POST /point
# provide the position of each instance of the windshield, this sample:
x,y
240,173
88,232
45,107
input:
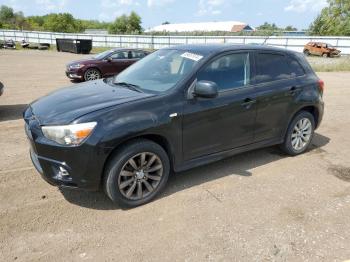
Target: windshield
x,y
102,55
159,71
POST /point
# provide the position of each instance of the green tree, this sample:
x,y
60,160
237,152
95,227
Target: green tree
x,y
6,14
126,24
63,22
333,19
290,28
119,25
268,27
7,17
36,22
134,23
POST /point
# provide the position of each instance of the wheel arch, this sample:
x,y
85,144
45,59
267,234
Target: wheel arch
x,y
92,67
313,110
158,139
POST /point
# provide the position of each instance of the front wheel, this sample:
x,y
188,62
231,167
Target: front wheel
x,y
136,173
92,74
325,55
299,134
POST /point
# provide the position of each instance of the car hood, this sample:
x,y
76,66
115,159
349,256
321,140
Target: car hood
x,y
83,61
67,104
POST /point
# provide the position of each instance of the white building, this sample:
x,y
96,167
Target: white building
x,y
228,26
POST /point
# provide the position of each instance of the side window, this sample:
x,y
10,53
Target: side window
x,y
230,71
137,54
272,67
296,68
120,55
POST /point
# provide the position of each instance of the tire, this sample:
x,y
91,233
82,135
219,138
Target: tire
x,y
289,146
120,177
325,55
92,74
306,52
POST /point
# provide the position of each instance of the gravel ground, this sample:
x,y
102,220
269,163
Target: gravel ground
x,y
257,206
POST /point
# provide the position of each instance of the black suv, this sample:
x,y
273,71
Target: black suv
x,y
177,108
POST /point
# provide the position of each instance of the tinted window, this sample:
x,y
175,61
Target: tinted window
x,y
137,54
295,67
230,71
120,55
273,67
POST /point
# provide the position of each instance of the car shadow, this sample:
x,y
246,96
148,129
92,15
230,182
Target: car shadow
x,y
11,112
238,165
76,81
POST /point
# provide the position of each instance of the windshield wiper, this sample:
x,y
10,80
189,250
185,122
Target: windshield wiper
x,y
129,85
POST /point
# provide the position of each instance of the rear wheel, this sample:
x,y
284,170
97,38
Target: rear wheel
x,y
137,173
92,74
299,134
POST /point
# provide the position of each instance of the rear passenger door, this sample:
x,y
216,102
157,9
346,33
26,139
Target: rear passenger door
x,y
277,84
137,55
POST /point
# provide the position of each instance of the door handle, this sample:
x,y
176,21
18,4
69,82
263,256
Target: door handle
x,y
248,102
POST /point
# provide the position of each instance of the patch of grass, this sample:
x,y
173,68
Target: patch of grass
x,y
96,49
337,64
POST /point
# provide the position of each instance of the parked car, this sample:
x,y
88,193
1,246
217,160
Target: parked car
x,y
39,46
321,49
105,64
1,89
8,44
176,109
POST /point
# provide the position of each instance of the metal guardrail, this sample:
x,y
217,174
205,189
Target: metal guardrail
x,y
155,42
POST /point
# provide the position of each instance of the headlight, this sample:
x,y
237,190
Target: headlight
x,y
76,66
70,134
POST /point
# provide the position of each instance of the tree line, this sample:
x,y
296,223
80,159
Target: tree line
x,y
66,23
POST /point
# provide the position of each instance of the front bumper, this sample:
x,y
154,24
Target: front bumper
x,y
63,166
74,74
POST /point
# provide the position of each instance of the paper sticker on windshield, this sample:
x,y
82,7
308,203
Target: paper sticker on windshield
x,y
192,56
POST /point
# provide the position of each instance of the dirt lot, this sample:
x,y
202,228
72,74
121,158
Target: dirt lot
x,y
257,206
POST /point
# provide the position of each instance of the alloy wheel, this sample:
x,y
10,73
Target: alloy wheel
x,y
140,176
92,75
301,134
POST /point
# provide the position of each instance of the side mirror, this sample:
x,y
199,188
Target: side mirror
x,y
109,59
205,89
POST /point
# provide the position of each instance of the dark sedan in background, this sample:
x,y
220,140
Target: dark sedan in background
x,y
105,64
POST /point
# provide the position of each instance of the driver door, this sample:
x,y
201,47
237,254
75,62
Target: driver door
x,y
117,62
212,125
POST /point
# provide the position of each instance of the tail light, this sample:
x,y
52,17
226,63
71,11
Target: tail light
x,y
321,85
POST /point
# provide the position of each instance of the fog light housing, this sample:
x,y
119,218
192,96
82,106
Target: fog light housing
x,y
62,174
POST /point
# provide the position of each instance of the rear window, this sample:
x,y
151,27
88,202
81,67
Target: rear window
x,y
272,67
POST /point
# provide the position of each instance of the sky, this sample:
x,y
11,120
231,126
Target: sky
x,y
299,13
